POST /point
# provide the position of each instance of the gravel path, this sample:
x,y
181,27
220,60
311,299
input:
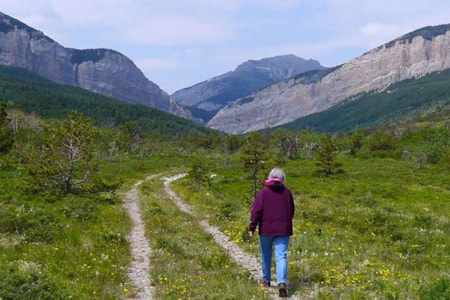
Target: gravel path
x,y
139,270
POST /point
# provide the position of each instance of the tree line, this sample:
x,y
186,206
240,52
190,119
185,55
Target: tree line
x,y
67,154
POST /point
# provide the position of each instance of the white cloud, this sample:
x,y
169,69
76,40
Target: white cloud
x,y
155,64
173,30
277,4
376,34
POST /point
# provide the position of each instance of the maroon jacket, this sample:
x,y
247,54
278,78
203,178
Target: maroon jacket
x,y
273,210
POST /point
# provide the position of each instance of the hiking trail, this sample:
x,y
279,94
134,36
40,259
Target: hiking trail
x,y
139,269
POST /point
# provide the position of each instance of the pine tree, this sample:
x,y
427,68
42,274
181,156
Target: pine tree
x,y
254,155
65,158
326,158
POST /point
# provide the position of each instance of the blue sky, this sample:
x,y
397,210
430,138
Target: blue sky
x,y
178,43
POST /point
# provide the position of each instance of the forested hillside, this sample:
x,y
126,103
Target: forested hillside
x,y
32,93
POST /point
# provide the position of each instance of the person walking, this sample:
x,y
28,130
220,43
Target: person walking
x,y
272,213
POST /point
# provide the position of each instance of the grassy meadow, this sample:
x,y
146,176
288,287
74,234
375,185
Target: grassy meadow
x,y
378,231
65,246
375,225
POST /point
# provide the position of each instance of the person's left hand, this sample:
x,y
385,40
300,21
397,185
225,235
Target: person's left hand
x,y
251,234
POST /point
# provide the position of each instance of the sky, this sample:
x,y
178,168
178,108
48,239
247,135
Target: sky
x,y
178,43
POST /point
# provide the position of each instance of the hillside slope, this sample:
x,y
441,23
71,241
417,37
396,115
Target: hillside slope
x,y
404,100
413,55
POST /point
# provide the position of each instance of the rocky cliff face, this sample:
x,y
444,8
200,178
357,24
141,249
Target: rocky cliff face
x,y
411,56
249,77
103,71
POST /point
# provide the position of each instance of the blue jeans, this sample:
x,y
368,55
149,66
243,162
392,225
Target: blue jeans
x,y
281,244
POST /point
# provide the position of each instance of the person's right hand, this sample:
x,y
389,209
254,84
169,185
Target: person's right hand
x,y
251,234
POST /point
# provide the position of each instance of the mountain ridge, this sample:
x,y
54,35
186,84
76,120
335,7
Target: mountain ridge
x,y
410,56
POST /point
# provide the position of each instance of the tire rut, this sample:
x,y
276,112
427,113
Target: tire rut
x,y
242,258
139,269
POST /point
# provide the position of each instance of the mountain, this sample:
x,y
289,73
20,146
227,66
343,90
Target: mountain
x,y
412,55
102,71
400,103
206,98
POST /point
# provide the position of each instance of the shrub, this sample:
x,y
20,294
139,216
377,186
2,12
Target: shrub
x,y
383,144
22,280
37,225
436,291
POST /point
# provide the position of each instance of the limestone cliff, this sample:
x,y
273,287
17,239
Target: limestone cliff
x,y
103,71
410,56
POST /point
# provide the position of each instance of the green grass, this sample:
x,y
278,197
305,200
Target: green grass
x,y
56,246
381,230
70,247
186,262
